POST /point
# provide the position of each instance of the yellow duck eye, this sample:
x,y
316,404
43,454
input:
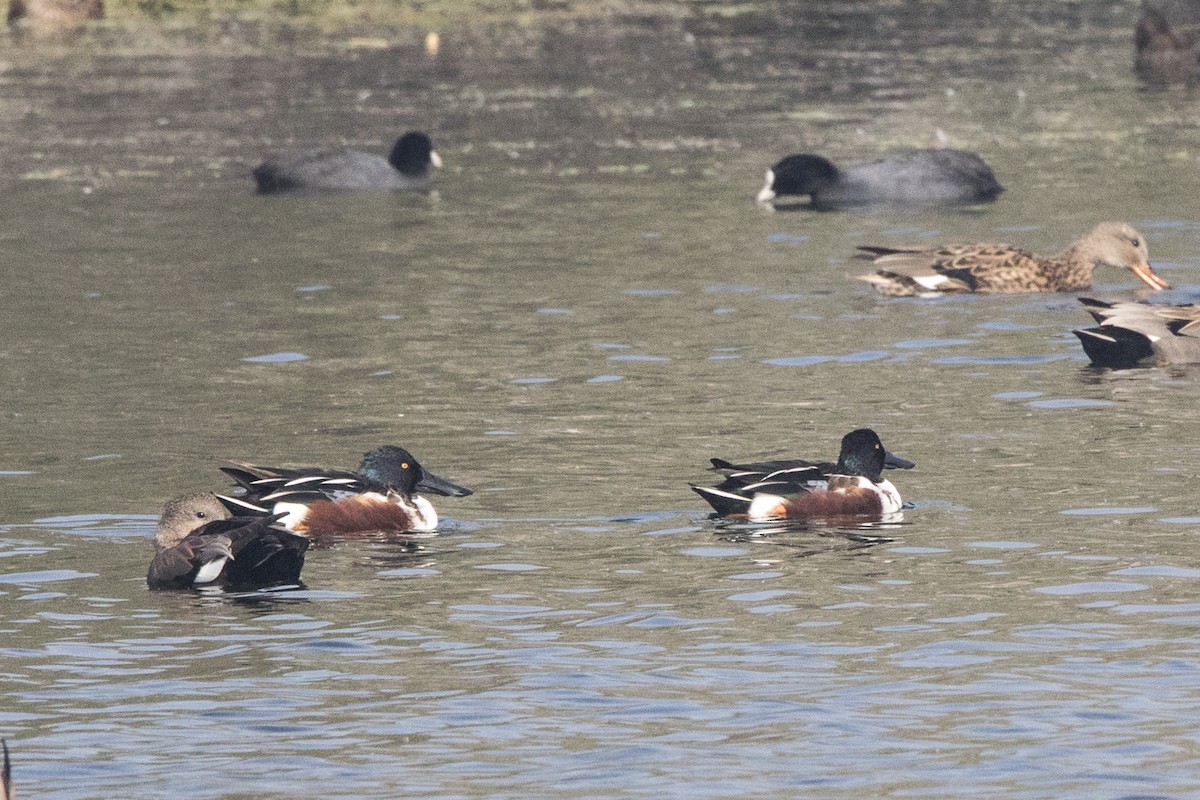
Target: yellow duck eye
x,y
404,465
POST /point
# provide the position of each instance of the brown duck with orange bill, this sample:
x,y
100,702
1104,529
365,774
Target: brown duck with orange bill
x,y
1001,268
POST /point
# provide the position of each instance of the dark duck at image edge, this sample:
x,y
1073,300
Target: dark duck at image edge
x,y
199,544
800,489
993,268
407,168
1138,334
929,177
381,497
1162,55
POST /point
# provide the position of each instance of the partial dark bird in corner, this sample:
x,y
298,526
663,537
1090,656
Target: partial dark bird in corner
x,y
54,13
199,544
937,177
1137,334
407,168
1162,55
985,267
6,792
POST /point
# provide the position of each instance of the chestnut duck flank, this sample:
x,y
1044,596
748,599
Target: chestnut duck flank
x,y
922,271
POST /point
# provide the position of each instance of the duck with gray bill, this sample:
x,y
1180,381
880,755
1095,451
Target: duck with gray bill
x,y
407,168
931,177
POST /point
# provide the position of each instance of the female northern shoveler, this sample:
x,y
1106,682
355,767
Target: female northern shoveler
x,y
998,268
380,497
1130,334
798,489
199,545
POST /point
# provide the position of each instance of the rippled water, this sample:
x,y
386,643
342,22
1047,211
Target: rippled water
x,y
590,308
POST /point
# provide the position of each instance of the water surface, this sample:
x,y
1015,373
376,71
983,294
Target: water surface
x,y
588,310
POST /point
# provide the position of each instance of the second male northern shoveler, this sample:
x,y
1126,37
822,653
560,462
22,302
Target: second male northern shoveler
x,y
797,489
380,497
199,544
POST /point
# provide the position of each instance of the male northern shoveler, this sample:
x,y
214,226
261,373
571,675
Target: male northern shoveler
x,y
1000,268
911,178
1130,334
798,489
380,497
199,544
